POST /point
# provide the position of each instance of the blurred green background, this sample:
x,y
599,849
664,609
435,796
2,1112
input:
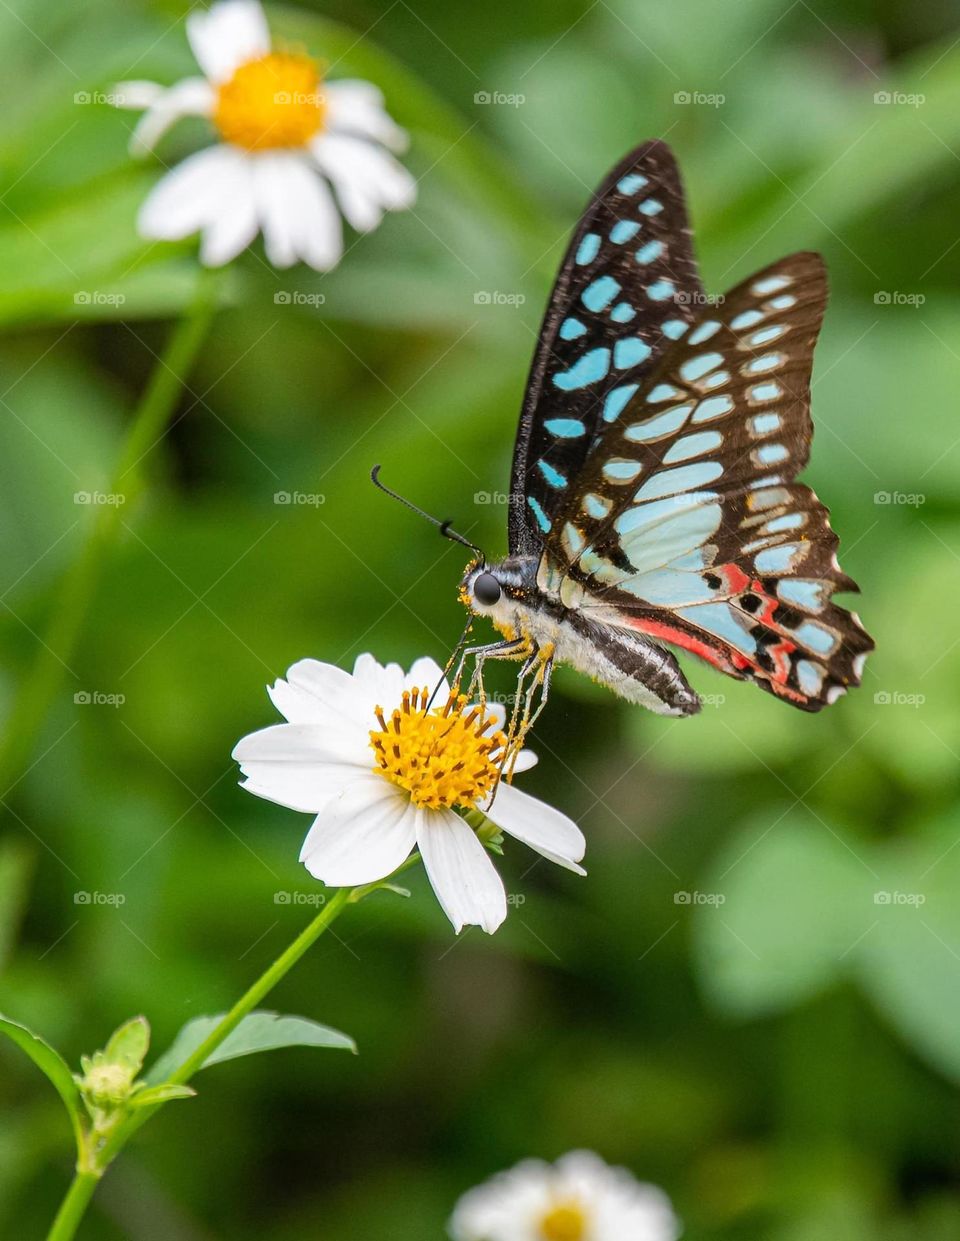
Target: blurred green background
x,y
754,999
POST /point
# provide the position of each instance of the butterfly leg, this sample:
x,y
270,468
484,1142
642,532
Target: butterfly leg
x,y
542,660
519,698
513,648
543,679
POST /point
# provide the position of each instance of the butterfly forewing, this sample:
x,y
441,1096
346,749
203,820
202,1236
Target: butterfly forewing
x,y
686,521
627,289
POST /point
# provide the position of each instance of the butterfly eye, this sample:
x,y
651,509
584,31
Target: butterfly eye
x,y
486,589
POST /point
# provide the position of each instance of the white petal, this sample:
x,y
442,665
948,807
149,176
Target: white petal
x,y
300,766
461,872
296,743
318,693
367,180
137,94
362,835
538,825
524,761
380,685
509,1206
228,34
356,107
191,195
234,227
427,672
297,214
191,97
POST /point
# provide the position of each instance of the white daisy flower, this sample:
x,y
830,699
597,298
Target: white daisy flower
x,y
579,1198
384,774
286,133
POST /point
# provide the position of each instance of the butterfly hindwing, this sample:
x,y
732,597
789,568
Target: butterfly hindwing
x,y
686,523
627,288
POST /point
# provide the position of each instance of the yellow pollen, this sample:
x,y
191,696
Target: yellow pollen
x,y
446,756
564,1222
275,101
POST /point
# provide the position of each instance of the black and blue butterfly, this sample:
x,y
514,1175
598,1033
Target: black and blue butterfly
x,y
653,499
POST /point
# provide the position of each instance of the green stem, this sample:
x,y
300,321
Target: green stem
x,y
264,984
73,1206
38,688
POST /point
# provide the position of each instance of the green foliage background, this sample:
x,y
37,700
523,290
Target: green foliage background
x,y
784,1059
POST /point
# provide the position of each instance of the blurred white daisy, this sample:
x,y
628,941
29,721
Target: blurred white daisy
x,y
385,773
579,1198
285,134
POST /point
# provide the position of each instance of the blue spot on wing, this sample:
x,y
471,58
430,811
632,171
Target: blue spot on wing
x,y
622,313
600,293
614,404
553,477
652,250
565,428
589,248
589,369
543,521
660,290
623,230
571,328
631,183
630,352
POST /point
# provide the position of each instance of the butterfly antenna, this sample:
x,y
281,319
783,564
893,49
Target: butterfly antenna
x,y
445,526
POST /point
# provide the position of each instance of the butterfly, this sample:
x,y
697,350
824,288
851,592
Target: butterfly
x,y
653,498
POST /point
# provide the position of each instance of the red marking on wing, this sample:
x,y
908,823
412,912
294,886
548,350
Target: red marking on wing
x,y
667,633
780,652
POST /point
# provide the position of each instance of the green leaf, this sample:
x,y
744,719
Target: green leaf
x,y
160,1094
51,1063
129,1044
260,1031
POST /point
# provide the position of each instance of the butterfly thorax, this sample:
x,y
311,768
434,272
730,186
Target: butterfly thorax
x,y
533,612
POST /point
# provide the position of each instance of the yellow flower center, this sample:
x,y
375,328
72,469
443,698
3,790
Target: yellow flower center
x,y
565,1222
275,101
445,756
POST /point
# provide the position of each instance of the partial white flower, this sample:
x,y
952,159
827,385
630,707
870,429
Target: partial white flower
x,y
579,1198
384,775
291,144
